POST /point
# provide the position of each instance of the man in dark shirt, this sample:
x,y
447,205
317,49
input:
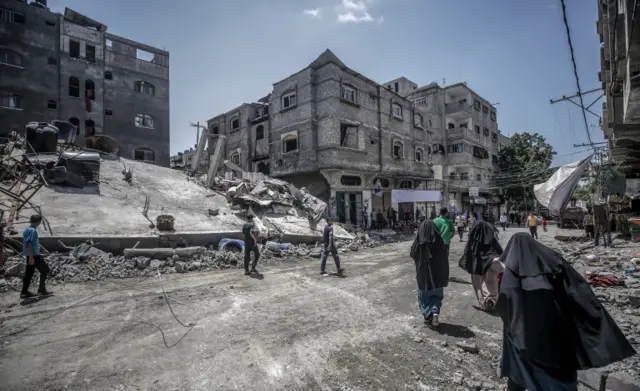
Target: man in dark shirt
x,y
250,245
329,246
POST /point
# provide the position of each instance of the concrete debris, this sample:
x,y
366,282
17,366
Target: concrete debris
x,y
468,347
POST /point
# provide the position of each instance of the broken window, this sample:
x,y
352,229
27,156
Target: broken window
x,y
464,176
494,137
263,167
477,104
350,180
89,128
235,123
485,109
52,61
89,90
52,104
145,88
417,119
349,93
235,158
396,109
144,154
493,116
9,57
108,112
477,129
419,155
75,122
74,49
10,100
108,75
74,87
395,86
214,129
290,144
260,132
348,135
90,53
144,121
397,150
144,55
50,23
11,16
288,100
486,131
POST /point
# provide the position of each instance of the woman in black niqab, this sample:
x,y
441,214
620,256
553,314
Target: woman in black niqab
x,y
432,270
553,324
480,259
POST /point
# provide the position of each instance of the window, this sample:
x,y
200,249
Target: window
x,y
52,104
477,104
260,132
75,122
290,144
349,93
395,86
493,116
478,177
406,184
417,120
145,155
420,102
235,123
90,53
74,87
74,49
348,135
419,155
9,57
109,43
398,150
235,158
50,23
145,88
350,180
108,112
485,109
144,121
455,148
52,61
485,131
464,176
477,129
288,100
494,137
11,16
372,97
89,128
10,100
89,90
214,129
396,109
108,75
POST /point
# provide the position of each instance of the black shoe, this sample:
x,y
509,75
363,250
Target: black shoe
x,y
45,293
253,270
247,272
324,273
26,295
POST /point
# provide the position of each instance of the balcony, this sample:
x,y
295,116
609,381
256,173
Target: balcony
x,y
459,109
456,133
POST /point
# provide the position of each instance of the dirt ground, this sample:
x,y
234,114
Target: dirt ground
x,y
291,330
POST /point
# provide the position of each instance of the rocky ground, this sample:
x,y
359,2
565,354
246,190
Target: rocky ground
x,y
291,330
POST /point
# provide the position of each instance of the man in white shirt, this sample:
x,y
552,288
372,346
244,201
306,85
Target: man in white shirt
x,y
459,222
503,221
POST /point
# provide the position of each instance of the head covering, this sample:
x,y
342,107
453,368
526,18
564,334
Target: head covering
x,y
429,255
542,298
482,247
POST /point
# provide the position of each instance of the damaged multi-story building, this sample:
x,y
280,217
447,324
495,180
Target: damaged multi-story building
x,y
620,78
68,67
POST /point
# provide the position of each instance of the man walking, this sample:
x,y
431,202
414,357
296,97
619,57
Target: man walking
x,y
532,223
460,225
503,221
329,246
250,245
31,250
445,226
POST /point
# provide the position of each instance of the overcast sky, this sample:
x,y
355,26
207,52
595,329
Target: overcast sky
x,y
512,52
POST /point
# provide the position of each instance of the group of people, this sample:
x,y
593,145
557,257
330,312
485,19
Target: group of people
x,y
537,294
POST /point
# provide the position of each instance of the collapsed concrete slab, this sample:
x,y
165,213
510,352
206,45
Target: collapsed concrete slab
x,y
112,212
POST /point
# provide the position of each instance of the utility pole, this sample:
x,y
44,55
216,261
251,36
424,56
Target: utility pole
x,y
197,126
445,161
587,108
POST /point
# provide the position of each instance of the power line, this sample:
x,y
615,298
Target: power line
x,y
575,69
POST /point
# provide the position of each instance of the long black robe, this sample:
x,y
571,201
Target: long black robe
x,y
553,323
482,247
429,254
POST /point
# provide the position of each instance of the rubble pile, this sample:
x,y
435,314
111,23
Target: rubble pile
x,y
87,263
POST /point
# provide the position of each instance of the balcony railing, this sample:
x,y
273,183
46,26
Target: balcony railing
x,y
456,133
460,107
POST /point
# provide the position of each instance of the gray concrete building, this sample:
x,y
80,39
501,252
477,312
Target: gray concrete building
x,y
335,132
67,67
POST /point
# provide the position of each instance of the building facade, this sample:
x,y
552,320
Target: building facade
x,y
342,136
67,67
619,75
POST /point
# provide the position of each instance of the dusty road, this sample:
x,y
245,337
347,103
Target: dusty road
x,y
293,330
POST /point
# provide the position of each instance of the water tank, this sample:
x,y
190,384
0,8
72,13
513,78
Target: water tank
x,y
42,137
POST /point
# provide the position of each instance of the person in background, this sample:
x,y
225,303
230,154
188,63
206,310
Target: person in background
x,y
391,217
544,224
380,221
445,227
503,221
459,222
250,245
553,323
372,219
432,270
31,250
532,223
589,227
329,246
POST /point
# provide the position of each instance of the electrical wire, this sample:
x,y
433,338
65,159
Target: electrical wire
x,y
575,70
